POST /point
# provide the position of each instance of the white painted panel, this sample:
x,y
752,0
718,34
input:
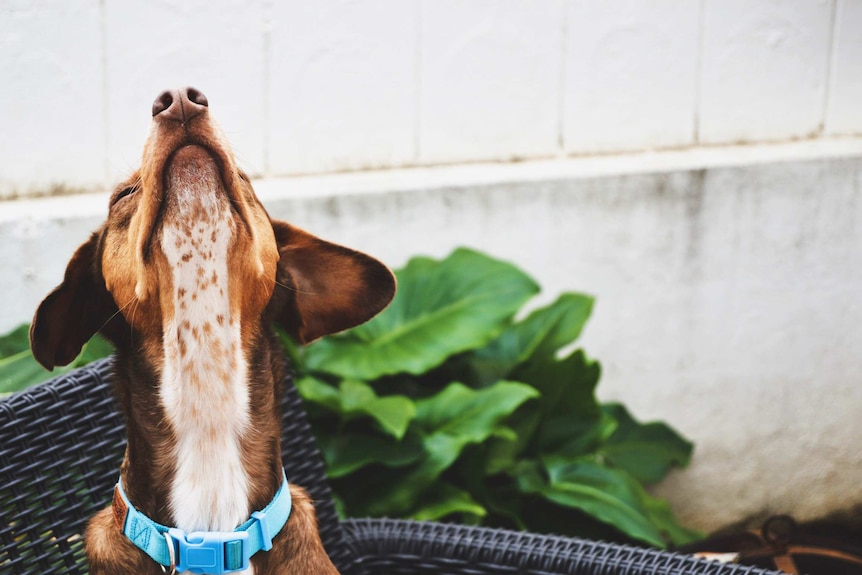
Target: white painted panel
x,y
631,74
51,105
153,46
490,79
764,69
358,84
844,114
343,85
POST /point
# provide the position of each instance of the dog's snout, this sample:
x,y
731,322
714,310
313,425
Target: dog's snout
x,y
181,105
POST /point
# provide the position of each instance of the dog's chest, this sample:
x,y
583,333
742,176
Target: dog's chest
x,y
204,390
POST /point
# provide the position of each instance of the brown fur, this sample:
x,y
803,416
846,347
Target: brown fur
x,y
119,283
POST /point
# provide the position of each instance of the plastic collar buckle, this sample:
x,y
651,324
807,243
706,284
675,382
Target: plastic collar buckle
x,y
211,552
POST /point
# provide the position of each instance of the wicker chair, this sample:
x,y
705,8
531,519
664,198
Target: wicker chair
x,y
60,447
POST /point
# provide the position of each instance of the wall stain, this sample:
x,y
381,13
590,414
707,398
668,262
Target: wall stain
x,y
694,199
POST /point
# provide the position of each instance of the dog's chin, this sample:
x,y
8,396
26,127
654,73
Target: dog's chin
x,y
193,167
193,186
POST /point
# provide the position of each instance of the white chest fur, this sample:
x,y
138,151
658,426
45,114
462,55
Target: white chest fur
x,y
204,391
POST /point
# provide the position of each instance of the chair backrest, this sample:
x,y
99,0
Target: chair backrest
x,y
61,444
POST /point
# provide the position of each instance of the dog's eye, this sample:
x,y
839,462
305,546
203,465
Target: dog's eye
x,y
124,193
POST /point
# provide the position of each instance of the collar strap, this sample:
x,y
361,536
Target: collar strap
x,y
211,552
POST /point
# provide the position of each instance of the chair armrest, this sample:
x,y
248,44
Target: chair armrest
x,y
407,547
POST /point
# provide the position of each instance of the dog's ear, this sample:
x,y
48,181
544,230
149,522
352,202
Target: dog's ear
x,y
71,314
325,288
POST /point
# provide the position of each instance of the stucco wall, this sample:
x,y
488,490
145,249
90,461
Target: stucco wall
x,y
727,284
727,276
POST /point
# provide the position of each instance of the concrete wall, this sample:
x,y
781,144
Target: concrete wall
x,y
727,283
310,87
726,275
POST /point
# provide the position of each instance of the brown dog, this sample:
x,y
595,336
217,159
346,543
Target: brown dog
x,y
185,278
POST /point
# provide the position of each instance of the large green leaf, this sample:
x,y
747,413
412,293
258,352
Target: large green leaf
x,y
355,398
15,341
662,517
393,413
347,453
609,495
444,499
96,348
318,391
459,416
468,414
442,308
450,420
647,451
395,495
538,337
19,369
569,419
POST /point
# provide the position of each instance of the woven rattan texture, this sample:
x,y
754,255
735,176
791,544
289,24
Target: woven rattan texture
x,y
60,448
61,444
408,547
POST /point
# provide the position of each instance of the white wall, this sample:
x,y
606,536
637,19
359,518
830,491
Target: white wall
x,y
727,284
310,87
727,277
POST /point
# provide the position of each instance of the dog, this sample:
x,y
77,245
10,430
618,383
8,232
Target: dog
x,y
186,278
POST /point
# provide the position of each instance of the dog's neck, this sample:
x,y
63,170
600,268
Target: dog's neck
x,y
204,389
215,434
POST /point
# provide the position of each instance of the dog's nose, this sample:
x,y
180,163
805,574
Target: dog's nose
x,y
181,105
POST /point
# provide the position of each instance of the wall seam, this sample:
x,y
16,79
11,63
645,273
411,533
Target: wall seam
x,y
828,84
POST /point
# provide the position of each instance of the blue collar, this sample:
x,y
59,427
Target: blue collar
x,y
210,552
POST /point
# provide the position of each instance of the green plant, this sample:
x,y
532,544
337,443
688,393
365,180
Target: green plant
x,y
445,406
19,369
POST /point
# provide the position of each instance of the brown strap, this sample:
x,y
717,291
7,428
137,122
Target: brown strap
x,y
119,508
785,563
824,552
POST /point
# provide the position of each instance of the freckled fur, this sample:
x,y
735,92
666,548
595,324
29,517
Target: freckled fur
x,y
203,497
